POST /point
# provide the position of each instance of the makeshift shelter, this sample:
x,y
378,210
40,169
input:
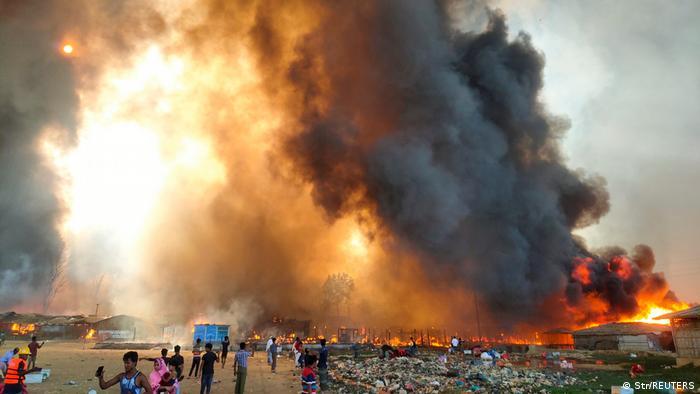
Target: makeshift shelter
x,y
65,327
126,328
560,338
685,326
627,337
21,325
210,333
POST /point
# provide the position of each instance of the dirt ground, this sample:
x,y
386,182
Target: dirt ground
x,y
73,366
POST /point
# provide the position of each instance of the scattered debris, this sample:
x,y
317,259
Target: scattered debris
x,y
431,374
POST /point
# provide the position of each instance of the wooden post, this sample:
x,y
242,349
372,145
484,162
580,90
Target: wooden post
x,y
478,322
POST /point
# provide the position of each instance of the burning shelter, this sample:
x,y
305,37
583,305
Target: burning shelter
x,y
624,337
288,328
67,327
685,326
21,325
560,338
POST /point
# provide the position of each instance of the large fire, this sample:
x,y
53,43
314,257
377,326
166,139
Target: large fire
x,y
637,295
23,329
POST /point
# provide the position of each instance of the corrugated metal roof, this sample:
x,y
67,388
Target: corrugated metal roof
x,y
690,313
624,329
559,330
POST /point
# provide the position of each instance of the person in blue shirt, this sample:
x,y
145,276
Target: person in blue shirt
x,y
240,368
131,381
6,359
323,366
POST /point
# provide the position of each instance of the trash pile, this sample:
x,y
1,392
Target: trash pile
x,y
433,375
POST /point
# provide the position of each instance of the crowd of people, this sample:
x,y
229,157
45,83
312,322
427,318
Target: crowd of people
x,y
169,369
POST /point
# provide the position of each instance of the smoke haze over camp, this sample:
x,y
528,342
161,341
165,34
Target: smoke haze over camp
x,y
233,155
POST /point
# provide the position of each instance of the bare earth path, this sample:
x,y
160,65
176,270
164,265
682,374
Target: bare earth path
x,y
76,362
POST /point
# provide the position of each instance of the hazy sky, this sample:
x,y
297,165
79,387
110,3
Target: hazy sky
x,y
627,75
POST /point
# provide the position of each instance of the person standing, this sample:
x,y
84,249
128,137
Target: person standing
x,y
323,365
196,357
454,345
272,354
308,377
131,381
413,348
208,360
224,351
267,350
298,352
34,347
178,362
240,368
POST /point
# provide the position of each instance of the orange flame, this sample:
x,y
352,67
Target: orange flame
x,y
23,329
90,334
581,273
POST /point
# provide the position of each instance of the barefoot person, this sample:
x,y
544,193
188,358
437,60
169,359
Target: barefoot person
x,y
34,347
224,350
131,381
16,369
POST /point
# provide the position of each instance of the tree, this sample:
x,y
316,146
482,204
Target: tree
x,y
337,290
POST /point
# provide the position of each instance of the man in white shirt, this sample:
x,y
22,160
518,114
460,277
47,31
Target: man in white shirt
x,y
455,344
267,350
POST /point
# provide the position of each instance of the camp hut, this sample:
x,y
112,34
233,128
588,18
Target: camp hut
x,y
559,338
685,327
64,327
20,325
626,337
126,328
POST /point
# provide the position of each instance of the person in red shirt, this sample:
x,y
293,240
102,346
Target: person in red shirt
x,y
308,375
299,352
34,347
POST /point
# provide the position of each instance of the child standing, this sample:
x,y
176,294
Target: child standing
x,y
308,376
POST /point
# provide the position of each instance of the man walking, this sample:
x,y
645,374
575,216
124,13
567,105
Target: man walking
x,y
208,360
224,351
240,368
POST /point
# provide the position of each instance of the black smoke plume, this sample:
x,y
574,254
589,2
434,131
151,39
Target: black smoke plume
x,y
36,92
442,134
